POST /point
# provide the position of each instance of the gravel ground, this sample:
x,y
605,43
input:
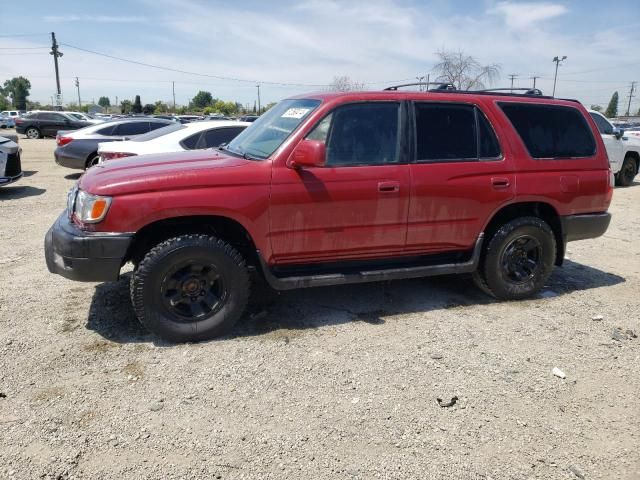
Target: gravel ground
x,y
321,383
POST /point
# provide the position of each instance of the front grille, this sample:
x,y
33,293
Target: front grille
x,y
13,165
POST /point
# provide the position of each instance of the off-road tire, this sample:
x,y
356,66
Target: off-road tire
x,y
491,275
627,173
149,281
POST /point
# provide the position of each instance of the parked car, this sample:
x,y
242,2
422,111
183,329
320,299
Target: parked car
x,y
79,149
188,118
623,151
47,124
338,188
10,166
174,138
7,122
10,113
85,117
248,118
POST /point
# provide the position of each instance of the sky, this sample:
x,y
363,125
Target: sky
x,y
293,47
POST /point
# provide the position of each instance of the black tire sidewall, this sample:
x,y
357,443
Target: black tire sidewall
x,y
157,318
623,180
493,275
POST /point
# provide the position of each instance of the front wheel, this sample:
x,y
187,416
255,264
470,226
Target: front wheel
x,y
627,173
32,133
190,288
517,260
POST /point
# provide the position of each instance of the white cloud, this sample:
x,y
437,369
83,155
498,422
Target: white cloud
x,y
525,15
92,19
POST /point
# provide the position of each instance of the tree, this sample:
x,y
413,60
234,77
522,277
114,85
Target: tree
x,y
148,109
201,100
18,89
160,107
345,84
125,106
104,102
463,71
612,108
137,106
597,108
4,103
269,105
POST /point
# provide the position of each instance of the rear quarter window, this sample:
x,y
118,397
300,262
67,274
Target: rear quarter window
x,y
551,131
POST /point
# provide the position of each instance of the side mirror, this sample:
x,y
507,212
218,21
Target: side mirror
x,y
308,153
618,132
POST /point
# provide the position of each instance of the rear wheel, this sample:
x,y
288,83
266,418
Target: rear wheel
x,y
627,173
32,133
190,288
517,260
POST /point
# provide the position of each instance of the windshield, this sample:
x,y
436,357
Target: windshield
x,y
172,127
269,131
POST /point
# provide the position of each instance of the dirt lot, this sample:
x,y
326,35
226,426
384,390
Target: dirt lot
x,y
321,383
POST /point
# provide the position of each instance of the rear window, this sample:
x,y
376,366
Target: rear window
x,y
132,128
551,131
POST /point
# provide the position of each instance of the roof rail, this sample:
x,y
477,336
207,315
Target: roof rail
x,y
440,86
527,91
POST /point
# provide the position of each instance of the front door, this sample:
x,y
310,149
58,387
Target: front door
x,y
459,177
613,144
354,207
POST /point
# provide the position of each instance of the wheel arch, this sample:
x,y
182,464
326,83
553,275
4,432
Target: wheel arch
x,y
543,210
225,228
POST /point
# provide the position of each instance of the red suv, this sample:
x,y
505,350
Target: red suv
x,y
340,188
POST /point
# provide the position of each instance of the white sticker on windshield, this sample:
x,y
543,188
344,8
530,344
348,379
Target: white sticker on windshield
x,y
295,113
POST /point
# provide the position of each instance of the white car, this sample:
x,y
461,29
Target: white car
x,y
174,138
10,113
623,151
10,167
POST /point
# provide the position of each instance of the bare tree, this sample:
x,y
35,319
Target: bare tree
x,y
464,71
345,84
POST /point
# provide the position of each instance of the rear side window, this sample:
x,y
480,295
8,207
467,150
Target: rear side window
x,y
217,136
190,142
452,132
156,125
132,128
551,131
106,130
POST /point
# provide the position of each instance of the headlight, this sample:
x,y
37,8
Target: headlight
x,y
91,208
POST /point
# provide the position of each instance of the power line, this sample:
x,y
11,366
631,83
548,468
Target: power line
x,y
22,48
186,72
23,34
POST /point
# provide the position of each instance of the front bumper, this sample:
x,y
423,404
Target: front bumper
x,y
8,180
581,227
84,256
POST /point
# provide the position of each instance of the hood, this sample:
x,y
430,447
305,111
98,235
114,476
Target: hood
x,y
167,171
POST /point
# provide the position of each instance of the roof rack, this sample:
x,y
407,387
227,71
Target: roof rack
x,y
440,86
450,88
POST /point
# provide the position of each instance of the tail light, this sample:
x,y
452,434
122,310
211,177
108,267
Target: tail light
x,y
19,121
114,155
62,141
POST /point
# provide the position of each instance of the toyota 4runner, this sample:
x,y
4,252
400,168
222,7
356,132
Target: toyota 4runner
x,y
338,188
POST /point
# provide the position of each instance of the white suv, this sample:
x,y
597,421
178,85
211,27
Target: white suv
x,y
623,151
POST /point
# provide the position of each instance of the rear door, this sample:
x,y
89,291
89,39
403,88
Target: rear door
x,y
613,145
51,122
461,173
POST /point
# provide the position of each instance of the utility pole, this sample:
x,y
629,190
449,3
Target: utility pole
x,y
512,76
173,88
78,87
56,54
258,86
558,61
633,87
534,81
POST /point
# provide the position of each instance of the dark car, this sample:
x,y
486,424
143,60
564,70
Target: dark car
x,y
79,149
47,124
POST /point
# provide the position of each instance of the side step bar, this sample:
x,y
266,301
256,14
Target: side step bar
x,y
290,283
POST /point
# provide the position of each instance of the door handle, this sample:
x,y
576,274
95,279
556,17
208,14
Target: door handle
x,y
388,187
500,182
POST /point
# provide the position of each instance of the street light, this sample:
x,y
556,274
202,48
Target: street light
x,y
558,61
